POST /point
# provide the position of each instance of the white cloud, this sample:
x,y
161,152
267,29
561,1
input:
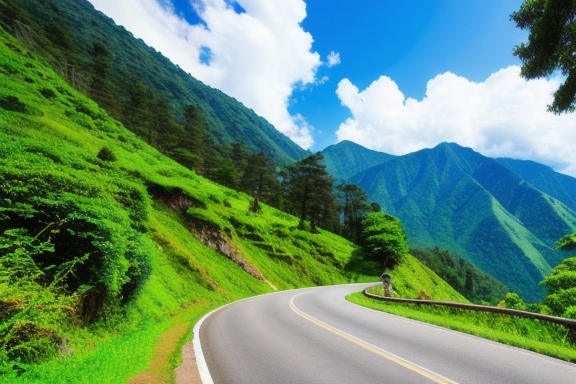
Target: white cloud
x,y
333,59
504,116
257,57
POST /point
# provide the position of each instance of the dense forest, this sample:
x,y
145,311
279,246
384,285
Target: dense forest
x,y
473,283
122,74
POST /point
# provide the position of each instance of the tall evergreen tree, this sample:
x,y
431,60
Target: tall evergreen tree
x,y
308,189
355,206
259,179
135,115
100,88
190,150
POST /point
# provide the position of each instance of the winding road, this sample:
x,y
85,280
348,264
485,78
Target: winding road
x,y
314,335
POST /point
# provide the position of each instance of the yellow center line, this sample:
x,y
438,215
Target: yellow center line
x,y
398,360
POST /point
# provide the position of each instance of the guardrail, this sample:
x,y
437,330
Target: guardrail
x,y
570,324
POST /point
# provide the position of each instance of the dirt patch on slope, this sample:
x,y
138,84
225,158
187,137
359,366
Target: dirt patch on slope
x,y
188,373
159,369
211,236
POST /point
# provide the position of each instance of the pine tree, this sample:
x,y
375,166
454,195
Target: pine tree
x,y
355,207
259,179
308,191
100,88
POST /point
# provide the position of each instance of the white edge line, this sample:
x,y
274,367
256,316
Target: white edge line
x,y
200,360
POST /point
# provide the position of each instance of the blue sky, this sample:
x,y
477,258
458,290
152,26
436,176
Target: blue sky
x,y
392,75
411,41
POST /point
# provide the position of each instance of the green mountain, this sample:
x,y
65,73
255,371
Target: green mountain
x,y
544,178
65,32
456,199
345,159
106,245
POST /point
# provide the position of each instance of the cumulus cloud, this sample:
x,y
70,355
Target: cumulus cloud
x,y
504,116
333,59
257,56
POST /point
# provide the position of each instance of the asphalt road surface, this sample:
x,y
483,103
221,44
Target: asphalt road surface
x,y
315,336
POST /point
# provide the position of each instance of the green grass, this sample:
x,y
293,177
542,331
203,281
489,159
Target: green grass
x,y
413,280
534,335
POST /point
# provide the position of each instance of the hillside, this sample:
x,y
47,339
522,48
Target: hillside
x,y
345,159
66,31
106,243
544,178
459,200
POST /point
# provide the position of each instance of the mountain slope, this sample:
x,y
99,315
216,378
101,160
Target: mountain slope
x,y
544,178
106,243
457,199
346,159
65,31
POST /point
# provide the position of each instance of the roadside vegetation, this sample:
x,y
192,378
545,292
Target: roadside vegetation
x,y
538,336
535,335
465,277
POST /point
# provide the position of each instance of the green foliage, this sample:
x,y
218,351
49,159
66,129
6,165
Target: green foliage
x,y
345,159
513,301
260,180
11,103
136,239
550,46
538,336
383,239
466,278
34,301
567,242
413,280
308,193
561,288
140,241
354,208
106,154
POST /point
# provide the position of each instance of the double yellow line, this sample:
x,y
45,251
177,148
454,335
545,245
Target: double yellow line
x,y
398,360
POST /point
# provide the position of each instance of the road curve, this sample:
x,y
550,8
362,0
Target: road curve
x,y
314,335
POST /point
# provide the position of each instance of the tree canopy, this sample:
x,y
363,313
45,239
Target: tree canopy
x,y
551,46
561,288
384,239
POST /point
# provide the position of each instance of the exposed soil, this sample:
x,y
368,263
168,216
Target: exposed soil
x,y
188,373
159,370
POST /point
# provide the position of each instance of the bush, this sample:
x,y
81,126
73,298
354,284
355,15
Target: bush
x,y
106,154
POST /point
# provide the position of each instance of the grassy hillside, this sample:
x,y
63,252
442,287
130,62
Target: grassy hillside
x,y
65,32
465,277
105,244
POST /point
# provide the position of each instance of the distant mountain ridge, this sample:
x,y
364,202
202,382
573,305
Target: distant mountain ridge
x,y
479,208
557,185
345,159
65,31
